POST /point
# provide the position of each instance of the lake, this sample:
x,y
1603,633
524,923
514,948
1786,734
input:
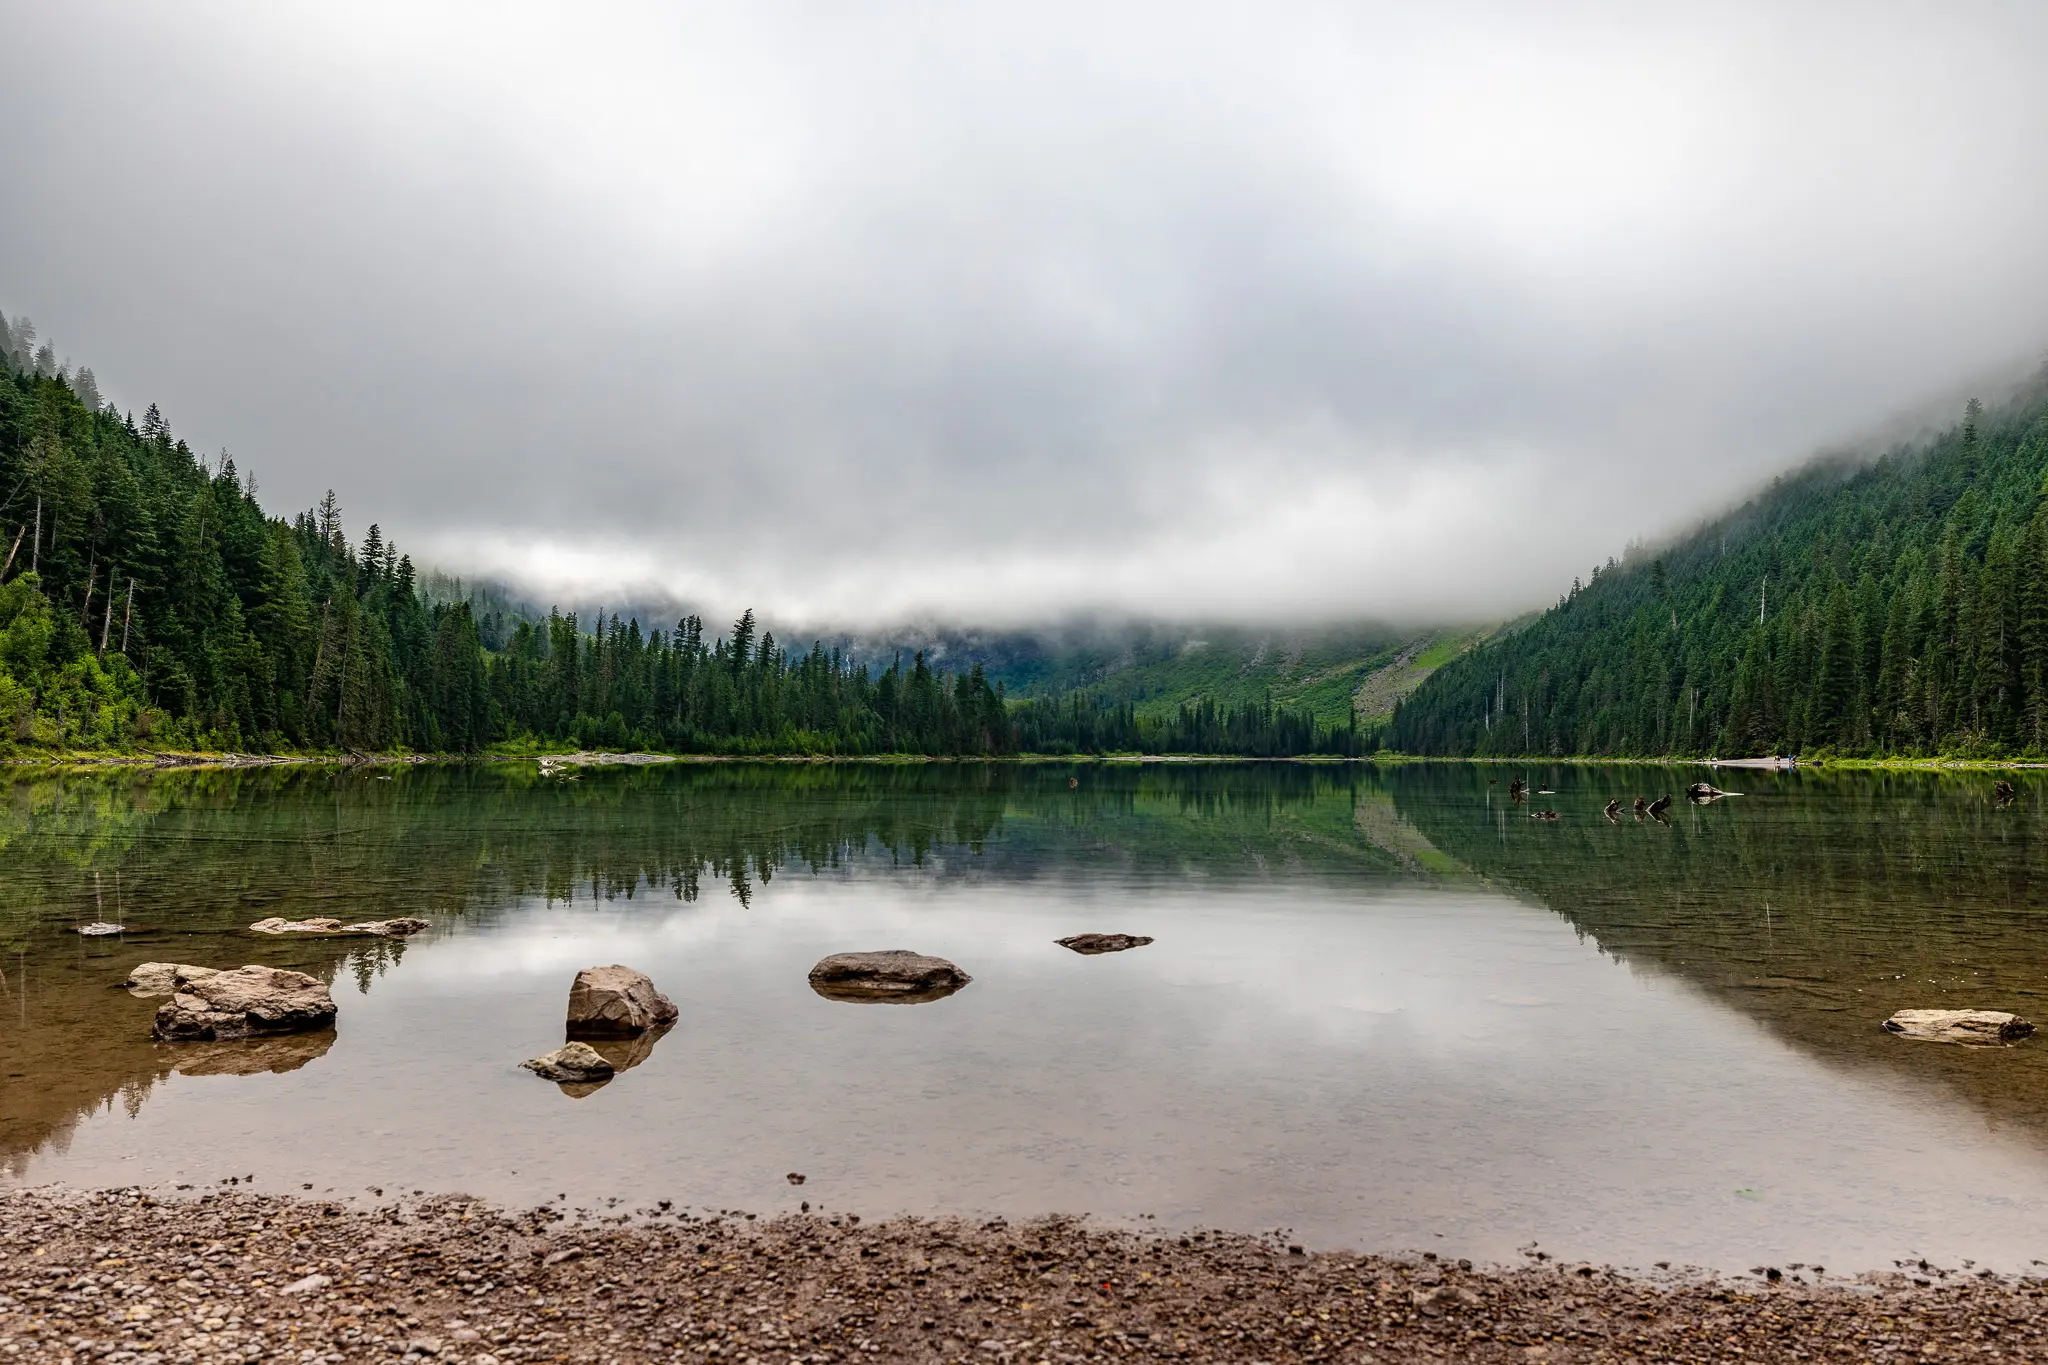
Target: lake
x,y
1385,1009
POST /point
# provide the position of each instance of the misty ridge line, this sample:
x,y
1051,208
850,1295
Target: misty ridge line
x,y
1092,688
239,630
1856,609
1016,329
1908,429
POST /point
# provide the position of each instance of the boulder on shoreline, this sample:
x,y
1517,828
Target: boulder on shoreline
x,y
248,1001
1979,1027
401,927
571,1063
1103,943
895,975
616,1002
162,978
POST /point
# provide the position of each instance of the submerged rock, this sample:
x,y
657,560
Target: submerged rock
x,y
1103,943
616,1002
382,928
247,1001
896,975
1980,1027
277,925
571,1062
162,978
403,927
100,928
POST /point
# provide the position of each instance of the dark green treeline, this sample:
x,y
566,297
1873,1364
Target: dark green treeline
x,y
1089,722
148,600
1894,608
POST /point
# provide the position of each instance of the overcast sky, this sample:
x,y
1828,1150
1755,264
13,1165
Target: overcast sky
x,y
996,311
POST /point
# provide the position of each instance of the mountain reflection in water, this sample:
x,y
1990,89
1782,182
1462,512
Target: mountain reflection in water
x,y
1371,1011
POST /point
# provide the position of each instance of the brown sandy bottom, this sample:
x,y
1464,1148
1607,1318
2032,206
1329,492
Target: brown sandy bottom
x,y
131,1278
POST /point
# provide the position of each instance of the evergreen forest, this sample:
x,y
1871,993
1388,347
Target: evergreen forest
x,y
147,601
1895,607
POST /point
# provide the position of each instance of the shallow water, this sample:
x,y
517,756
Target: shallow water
x,y
1385,1009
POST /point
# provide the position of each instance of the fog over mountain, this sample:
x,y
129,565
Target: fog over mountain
x,y
999,312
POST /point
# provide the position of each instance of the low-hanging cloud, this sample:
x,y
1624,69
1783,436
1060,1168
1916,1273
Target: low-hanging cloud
x,y
999,312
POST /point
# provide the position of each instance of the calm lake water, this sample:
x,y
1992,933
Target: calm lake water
x,y
1385,1008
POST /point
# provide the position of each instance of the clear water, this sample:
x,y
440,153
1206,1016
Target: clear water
x,y
1385,1008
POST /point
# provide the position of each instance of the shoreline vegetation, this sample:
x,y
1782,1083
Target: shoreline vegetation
x,y
137,1275
159,759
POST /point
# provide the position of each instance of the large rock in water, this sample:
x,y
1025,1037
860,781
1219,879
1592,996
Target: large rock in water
x,y
245,1002
895,975
1959,1026
615,1002
1103,943
162,978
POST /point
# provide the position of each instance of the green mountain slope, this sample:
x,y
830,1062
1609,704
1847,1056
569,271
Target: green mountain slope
x,y
1894,607
1317,671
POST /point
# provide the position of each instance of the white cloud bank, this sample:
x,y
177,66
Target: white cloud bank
x,y
1002,311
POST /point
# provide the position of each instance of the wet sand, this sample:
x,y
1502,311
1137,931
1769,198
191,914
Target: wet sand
x,y
132,1277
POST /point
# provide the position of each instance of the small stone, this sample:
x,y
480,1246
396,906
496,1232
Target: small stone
x,y
380,928
895,974
1103,943
795,1177
571,1062
307,1285
403,927
1959,1026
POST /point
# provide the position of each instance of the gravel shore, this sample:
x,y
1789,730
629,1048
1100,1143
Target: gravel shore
x,y
130,1277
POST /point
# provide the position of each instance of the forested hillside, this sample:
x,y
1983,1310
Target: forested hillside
x,y
1896,607
1157,668
147,600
